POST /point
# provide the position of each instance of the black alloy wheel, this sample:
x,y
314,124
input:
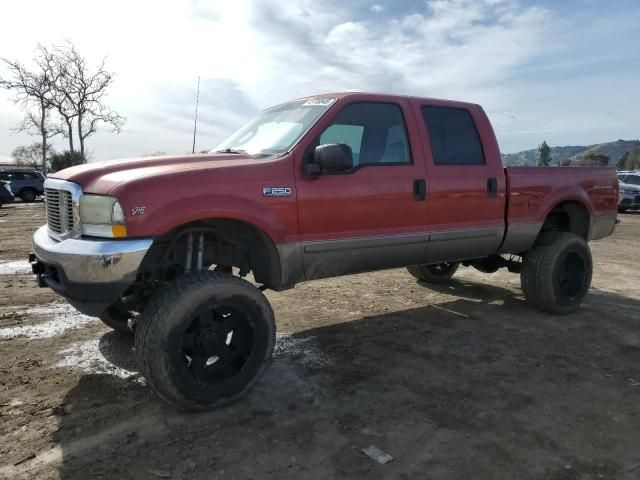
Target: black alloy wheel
x,y
217,344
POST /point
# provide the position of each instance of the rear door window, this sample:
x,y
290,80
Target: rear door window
x,y
453,136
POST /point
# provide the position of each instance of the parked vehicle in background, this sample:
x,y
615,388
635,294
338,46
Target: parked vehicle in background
x,y
313,188
6,196
26,184
629,191
630,177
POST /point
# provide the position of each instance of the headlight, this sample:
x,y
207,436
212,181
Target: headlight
x,y
102,216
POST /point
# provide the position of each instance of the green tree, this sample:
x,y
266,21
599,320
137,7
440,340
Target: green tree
x,y
593,159
544,159
622,163
633,157
66,159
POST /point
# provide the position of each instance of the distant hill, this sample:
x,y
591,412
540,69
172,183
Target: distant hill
x,y
614,150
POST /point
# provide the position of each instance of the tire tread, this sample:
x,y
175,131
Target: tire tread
x,y
146,339
537,271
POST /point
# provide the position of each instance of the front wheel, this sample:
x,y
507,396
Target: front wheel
x,y
28,195
556,272
204,340
437,273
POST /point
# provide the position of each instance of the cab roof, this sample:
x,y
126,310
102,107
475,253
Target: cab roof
x,y
378,97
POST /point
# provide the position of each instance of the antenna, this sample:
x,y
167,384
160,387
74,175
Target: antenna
x,y
195,121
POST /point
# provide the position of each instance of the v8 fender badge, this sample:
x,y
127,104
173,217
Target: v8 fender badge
x,y
277,191
138,211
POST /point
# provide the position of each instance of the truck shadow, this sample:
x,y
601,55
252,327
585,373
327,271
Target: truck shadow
x,y
470,388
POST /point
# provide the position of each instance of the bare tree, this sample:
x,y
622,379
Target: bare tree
x,y
61,98
34,92
30,155
62,83
81,93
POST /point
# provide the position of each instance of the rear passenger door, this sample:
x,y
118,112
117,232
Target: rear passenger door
x,y
466,183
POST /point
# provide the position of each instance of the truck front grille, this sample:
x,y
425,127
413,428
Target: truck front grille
x,y
59,206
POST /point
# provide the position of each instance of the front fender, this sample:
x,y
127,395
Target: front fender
x,y
166,215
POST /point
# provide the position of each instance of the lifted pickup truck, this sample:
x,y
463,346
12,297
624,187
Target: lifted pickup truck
x,y
317,187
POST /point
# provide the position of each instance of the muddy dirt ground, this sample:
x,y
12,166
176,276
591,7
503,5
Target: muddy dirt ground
x,y
464,381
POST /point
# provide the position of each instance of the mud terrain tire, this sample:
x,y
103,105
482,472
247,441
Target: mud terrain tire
x,y
556,272
204,340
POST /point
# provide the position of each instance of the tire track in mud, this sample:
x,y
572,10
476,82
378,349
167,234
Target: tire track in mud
x,y
283,382
51,320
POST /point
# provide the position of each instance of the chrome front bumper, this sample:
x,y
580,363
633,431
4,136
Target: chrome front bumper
x,y
91,274
91,261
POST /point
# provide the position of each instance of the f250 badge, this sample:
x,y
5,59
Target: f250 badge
x,y
277,191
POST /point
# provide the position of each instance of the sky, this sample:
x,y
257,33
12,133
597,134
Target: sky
x,y
567,72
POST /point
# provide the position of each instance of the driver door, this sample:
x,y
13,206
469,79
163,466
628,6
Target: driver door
x,y
374,215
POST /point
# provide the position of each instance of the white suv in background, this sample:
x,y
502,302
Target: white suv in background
x,y
629,194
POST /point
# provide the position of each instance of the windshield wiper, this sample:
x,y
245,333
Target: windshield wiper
x,y
231,150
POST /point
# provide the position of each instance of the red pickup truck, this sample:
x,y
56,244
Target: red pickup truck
x,y
316,187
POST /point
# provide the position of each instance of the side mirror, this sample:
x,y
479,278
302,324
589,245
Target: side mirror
x,y
332,157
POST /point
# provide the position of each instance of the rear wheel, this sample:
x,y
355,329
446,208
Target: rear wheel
x,y
28,195
437,273
556,272
204,340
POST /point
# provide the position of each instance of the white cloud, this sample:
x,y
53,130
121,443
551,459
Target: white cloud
x,y
254,53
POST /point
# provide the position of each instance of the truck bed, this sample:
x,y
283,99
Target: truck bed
x,y
532,192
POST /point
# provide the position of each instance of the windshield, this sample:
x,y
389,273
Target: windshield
x,y
277,129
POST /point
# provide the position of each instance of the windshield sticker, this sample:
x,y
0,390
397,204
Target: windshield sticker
x,y
319,102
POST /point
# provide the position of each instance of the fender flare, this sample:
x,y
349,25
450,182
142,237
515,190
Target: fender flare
x,y
173,214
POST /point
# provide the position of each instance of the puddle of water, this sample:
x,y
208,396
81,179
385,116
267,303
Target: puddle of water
x,y
59,318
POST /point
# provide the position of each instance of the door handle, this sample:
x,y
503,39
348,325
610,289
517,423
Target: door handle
x,y
492,187
419,189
